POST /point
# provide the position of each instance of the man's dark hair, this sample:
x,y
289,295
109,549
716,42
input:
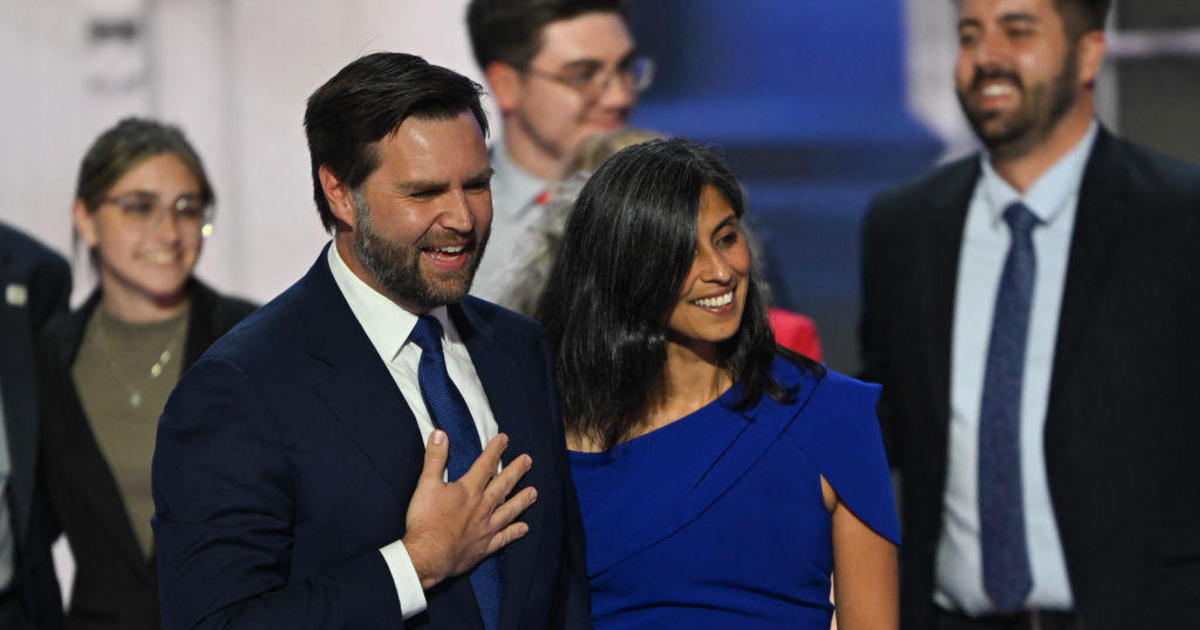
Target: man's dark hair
x,y
125,145
368,100
510,31
1082,16
1078,16
627,247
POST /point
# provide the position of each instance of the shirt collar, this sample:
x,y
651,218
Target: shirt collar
x,y
387,324
524,185
1051,193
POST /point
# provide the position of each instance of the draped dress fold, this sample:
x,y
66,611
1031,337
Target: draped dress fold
x,y
717,519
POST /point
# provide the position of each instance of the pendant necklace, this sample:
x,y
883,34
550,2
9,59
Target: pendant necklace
x,y
160,364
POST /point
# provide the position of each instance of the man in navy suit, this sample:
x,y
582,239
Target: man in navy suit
x,y
1031,312
34,285
332,462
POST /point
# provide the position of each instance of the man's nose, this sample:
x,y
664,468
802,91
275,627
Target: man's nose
x,y
456,213
990,51
618,92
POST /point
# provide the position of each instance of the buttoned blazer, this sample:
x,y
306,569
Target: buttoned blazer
x,y
1122,430
35,284
287,456
115,585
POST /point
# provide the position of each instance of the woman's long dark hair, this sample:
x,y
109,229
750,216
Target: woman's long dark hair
x,y
627,247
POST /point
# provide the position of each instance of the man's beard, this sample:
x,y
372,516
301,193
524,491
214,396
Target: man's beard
x,y
1041,107
397,267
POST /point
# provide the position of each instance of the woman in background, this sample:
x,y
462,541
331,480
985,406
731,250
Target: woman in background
x,y
722,478
143,206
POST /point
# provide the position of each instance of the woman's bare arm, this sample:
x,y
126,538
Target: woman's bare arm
x,y
865,583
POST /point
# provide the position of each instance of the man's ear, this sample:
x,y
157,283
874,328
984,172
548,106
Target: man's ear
x,y
1089,56
338,195
85,224
505,82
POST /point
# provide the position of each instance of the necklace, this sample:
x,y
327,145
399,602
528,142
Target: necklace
x,y
143,378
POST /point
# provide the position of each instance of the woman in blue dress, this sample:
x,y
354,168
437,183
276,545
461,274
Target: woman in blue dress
x,y
722,479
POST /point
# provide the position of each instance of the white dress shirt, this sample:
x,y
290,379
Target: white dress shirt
x,y
1053,198
388,326
514,210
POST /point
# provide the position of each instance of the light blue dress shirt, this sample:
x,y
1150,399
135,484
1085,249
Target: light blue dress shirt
x,y
514,210
1053,198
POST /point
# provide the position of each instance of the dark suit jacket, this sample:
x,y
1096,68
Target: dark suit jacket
x,y
43,279
1122,431
287,457
115,585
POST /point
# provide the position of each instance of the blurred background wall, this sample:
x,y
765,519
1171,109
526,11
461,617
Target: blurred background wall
x,y
817,104
234,74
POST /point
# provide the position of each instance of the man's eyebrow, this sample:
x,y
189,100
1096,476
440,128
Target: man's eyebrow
x,y
429,185
481,176
582,64
1018,16
592,62
420,185
969,22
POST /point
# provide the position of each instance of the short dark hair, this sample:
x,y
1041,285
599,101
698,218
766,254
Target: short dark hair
x,y
125,145
1082,16
628,245
510,31
368,100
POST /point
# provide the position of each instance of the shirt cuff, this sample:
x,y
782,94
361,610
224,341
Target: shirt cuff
x,y
404,574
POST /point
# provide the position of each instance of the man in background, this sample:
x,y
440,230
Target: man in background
x,y
1032,314
35,284
559,71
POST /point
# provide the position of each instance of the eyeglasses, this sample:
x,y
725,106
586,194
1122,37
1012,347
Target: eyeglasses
x,y
591,82
145,211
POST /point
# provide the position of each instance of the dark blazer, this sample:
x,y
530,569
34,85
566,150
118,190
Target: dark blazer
x,y
287,457
115,585
1122,431
35,284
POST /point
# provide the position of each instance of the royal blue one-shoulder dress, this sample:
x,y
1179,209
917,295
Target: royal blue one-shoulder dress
x,y
717,521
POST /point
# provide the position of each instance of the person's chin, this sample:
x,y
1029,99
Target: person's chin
x,y
168,295
449,288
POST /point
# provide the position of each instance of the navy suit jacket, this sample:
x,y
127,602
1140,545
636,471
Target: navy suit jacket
x,y
35,283
286,457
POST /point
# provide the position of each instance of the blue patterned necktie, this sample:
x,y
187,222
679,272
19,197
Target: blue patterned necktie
x,y
449,413
1006,574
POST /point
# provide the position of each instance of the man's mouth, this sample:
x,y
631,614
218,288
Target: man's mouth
x,y
996,83
446,253
991,90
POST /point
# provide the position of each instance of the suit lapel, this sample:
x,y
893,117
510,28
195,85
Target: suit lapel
x,y
1102,210
356,386
501,380
939,242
